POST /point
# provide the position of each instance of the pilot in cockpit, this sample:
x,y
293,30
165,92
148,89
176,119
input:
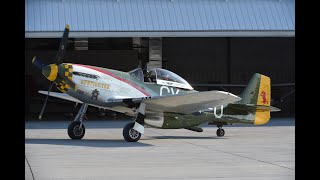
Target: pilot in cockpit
x,y
147,77
167,77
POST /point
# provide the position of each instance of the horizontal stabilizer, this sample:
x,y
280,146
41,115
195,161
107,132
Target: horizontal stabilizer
x,y
253,107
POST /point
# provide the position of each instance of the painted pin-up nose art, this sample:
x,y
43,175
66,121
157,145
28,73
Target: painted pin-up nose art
x,y
95,93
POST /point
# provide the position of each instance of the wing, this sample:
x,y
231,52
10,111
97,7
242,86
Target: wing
x,y
184,104
192,102
61,96
116,107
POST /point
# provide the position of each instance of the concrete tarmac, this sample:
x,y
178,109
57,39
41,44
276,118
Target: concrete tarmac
x,y
245,152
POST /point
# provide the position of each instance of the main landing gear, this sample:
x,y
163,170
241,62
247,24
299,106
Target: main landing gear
x,y
132,131
76,129
130,134
220,131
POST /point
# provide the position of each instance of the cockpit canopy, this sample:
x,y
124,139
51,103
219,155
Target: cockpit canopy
x,y
137,73
161,77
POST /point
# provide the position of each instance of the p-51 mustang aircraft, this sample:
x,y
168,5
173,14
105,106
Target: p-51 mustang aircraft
x,y
158,98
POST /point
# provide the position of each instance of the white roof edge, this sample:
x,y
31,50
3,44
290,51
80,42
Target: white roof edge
x,y
100,34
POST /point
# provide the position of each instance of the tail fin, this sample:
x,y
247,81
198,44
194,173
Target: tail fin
x,y
258,92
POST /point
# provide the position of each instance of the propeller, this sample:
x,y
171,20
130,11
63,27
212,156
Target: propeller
x,y
45,102
61,51
37,62
51,71
63,45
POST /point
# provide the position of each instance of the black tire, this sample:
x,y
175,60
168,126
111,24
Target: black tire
x,y
74,132
220,132
130,134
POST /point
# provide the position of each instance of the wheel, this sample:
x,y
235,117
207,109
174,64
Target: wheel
x,y
74,131
130,134
220,132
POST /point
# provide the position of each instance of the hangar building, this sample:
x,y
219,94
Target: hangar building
x,y
207,42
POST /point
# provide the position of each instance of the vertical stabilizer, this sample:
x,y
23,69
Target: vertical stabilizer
x,y
258,92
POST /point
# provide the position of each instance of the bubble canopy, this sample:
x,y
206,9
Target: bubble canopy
x,y
168,78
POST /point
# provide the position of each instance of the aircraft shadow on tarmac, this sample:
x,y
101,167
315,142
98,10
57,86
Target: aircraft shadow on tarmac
x,y
121,123
65,124
106,143
186,137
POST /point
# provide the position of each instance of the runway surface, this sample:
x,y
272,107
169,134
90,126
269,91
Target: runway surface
x,y
245,152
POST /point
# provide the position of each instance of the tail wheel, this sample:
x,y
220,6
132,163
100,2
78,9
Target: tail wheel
x,y
130,134
220,132
75,131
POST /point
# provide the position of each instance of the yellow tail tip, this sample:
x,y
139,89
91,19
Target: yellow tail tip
x,y
261,119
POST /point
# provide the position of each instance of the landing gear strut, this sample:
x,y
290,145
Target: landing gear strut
x,y
76,129
132,131
220,131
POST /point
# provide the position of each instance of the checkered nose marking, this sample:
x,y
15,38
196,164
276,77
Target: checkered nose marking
x,y
67,71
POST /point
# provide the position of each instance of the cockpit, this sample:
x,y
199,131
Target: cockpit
x,y
161,77
137,73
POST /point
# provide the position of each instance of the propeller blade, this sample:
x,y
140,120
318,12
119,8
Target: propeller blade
x,y
62,46
45,102
37,62
70,83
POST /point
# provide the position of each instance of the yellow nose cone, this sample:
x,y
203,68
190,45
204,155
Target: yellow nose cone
x,y
50,72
